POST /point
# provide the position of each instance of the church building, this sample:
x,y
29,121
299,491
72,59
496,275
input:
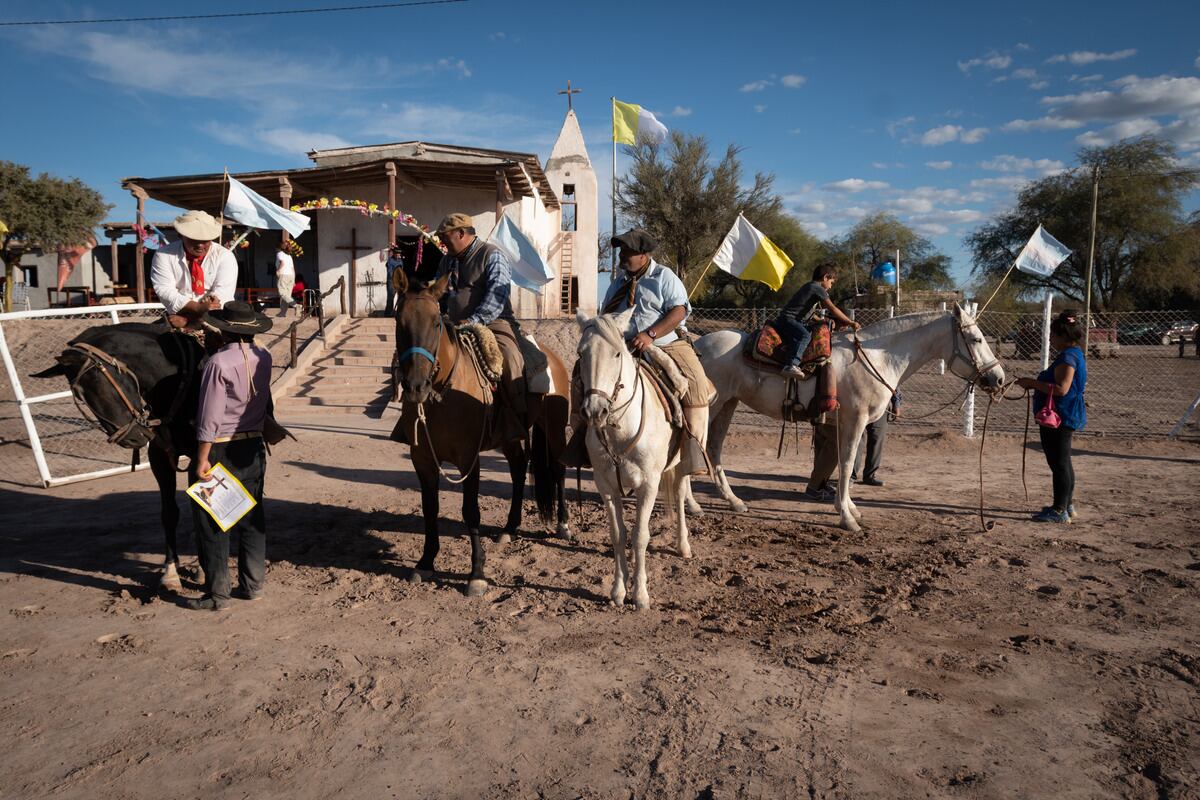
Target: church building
x,y
352,191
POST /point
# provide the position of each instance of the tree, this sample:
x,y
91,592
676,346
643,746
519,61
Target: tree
x,y
42,213
876,238
687,203
1142,239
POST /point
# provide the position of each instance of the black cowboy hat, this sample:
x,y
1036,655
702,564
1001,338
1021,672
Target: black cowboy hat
x,y
238,317
636,240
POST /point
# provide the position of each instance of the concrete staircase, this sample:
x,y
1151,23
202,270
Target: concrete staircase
x,y
352,376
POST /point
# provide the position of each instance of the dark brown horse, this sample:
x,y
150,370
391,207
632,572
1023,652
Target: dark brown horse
x,y
141,382
449,416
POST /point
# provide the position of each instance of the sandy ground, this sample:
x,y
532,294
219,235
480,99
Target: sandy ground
x,y
788,658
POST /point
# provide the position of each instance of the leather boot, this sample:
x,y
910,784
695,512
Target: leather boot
x,y
575,454
692,459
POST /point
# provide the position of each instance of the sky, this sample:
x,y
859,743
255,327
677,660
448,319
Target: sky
x,y
934,112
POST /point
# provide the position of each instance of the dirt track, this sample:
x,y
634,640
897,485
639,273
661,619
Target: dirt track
x,y
786,659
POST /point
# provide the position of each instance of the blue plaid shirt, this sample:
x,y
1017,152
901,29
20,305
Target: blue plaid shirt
x,y
497,272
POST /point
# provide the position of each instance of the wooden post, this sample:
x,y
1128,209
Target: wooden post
x,y
292,336
113,250
139,251
503,193
390,170
342,298
285,199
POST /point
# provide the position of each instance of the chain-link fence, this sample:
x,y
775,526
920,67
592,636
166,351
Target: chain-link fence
x,y
1138,382
70,445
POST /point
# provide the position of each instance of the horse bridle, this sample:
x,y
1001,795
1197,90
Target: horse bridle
x,y
968,357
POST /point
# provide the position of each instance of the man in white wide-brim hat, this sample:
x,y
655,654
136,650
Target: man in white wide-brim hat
x,y
195,274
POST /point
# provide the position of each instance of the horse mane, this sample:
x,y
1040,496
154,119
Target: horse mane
x,y
606,326
905,322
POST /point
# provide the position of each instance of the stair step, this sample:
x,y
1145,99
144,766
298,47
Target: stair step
x,y
327,395
363,361
303,403
367,352
349,380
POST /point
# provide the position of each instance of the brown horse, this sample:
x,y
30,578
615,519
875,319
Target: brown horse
x,y
449,411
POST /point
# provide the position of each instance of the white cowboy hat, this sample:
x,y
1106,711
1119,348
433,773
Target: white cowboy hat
x,y
198,225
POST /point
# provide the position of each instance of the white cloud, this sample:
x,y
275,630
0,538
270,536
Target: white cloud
x,y
457,65
930,229
793,81
940,135
1023,46
1043,124
992,60
680,111
944,134
498,35
1125,129
911,205
973,136
1039,85
1136,97
810,207
1185,132
755,86
1006,163
287,141
879,165
1089,57
758,109
1086,78
898,125
854,185
1024,74
1002,182
479,125
939,164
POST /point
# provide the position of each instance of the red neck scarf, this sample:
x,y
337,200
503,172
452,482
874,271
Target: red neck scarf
x,y
197,274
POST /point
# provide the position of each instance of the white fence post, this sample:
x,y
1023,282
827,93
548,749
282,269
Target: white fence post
x,y
941,361
1046,312
891,312
969,407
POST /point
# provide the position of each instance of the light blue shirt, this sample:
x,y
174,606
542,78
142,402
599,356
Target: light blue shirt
x,y
658,291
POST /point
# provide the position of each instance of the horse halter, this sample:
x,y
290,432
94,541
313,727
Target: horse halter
x,y
416,350
140,419
978,370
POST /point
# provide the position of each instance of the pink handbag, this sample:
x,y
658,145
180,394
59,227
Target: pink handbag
x,y
1047,417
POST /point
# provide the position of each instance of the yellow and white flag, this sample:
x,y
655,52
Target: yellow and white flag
x,y
748,255
633,124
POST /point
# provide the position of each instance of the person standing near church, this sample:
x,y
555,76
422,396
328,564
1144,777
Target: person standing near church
x,y
195,274
234,404
285,276
395,261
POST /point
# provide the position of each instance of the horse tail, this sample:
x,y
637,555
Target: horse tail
x,y
548,474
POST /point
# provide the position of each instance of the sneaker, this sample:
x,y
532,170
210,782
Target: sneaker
x,y
242,593
824,495
793,371
1070,510
872,481
1053,515
206,603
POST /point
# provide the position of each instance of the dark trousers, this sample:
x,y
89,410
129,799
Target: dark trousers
x,y
825,456
246,459
872,447
797,336
1056,444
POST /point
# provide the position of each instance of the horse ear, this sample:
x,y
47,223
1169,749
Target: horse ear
x,y
54,371
399,281
581,318
438,288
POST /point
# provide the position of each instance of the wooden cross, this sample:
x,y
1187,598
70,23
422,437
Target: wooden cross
x,y
568,92
353,247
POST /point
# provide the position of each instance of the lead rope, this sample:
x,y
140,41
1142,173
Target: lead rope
x,y
985,525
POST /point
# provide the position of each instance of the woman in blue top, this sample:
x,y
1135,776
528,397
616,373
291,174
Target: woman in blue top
x,y
1066,378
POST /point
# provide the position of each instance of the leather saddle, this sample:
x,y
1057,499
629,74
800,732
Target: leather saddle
x,y
766,347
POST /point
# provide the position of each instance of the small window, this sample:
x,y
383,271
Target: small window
x,y
568,193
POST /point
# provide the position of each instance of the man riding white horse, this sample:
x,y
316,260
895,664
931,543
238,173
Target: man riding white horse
x,y
660,306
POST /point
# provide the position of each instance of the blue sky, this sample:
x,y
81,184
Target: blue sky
x,y
936,112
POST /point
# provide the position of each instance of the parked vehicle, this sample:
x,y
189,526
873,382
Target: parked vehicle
x,y
1185,330
1139,333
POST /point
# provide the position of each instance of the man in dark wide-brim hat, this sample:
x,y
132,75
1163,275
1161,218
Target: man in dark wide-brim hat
x,y
235,403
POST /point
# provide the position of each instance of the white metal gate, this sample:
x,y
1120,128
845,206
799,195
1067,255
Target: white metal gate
x,y
65,447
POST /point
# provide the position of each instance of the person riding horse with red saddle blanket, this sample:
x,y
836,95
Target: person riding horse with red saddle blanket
x,y
792,322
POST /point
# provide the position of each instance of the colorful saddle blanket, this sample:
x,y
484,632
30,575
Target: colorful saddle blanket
x,y
766,346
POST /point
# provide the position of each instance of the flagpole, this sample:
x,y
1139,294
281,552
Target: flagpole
x,y
612,254
1087,325
1000,284
224,196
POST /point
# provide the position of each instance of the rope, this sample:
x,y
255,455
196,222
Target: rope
x,y
229,15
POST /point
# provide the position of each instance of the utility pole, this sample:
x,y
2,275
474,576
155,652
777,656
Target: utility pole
x,y
1087,329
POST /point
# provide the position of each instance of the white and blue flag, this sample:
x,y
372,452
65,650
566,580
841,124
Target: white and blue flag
x,y
529,270
1042,254
247,207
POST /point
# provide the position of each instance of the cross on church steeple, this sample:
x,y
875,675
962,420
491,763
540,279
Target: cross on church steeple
x,y
568,92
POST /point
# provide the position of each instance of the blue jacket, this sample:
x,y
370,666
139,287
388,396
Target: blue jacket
x,y
1070,406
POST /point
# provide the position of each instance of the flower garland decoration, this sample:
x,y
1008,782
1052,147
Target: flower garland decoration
x,y
293,248
370,210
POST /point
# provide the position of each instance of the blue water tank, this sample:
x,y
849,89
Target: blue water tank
x,y
885,273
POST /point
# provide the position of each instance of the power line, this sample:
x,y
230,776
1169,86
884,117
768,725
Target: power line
x,y
234,14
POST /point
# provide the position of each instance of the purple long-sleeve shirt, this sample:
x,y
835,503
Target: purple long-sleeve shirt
x,y
227,405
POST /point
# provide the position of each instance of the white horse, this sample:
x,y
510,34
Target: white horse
x,y
867,371
629,439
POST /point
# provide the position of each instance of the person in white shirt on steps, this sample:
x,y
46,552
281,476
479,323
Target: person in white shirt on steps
x,y
285,276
